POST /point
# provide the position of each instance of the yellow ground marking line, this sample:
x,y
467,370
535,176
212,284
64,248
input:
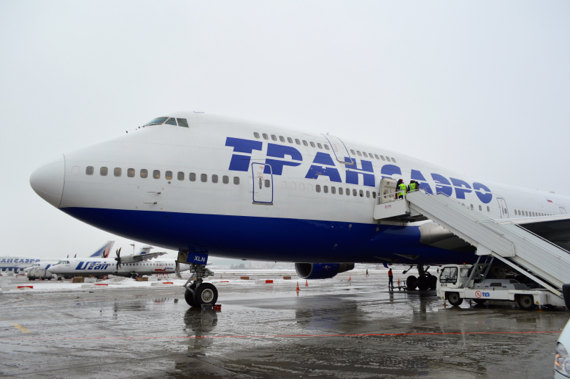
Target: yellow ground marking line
x,y
21,328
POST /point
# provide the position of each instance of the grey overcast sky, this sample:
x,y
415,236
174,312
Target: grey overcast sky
x,y
481,87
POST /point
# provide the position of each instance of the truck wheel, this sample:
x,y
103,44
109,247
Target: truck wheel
x,y
525,302
454,299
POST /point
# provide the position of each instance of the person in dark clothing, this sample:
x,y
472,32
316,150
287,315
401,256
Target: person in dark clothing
x,y
390,280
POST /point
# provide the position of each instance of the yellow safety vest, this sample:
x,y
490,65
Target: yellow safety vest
x,y
402,189
413,187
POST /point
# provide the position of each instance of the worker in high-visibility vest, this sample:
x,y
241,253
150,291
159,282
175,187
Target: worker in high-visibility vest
x,y
401,189
413,186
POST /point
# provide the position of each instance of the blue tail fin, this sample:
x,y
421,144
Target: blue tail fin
x,y
104,251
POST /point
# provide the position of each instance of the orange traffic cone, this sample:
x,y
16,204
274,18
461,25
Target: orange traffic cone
x,y
298,287
306,283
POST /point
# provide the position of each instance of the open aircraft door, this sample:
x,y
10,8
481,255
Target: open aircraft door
x,y
339,149
262,176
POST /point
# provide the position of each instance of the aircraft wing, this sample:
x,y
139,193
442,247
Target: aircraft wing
x,y
555,229
141,257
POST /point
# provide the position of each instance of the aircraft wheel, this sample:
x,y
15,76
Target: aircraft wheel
x,y
206,293
454,299
189,294
411,283
189,297
525,302
423,283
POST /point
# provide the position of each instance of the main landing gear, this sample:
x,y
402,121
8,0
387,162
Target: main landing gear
x,y
425,281
197,292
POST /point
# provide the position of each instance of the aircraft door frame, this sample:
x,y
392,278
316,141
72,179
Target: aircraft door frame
x,y
334,143
503,209
262,183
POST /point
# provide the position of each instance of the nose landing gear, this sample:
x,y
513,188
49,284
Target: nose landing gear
x,y
197,292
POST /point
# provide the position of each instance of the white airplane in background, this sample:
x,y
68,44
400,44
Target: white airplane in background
x,y
133,266
17,264
204,184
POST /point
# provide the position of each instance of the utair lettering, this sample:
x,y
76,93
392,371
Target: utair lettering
x,y
92,266
278,156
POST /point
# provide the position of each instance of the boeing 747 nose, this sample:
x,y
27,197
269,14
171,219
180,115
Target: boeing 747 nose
x,y
47,181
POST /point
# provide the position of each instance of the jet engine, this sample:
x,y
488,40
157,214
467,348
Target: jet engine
x,y
321,270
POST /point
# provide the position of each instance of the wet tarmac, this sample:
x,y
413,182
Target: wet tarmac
x,y
332,328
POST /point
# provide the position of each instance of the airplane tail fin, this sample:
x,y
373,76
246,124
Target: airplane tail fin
x,y
145,250
104,251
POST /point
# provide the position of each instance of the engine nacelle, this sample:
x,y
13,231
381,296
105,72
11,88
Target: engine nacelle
x,y
321,270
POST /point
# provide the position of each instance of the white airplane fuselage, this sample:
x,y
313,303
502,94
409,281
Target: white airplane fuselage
x,y
16,264
253,191
108,266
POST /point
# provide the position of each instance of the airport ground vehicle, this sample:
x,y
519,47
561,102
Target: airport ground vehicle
x,y
474,282
38,271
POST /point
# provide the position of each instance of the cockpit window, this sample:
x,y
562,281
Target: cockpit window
x,y
156,121
168,121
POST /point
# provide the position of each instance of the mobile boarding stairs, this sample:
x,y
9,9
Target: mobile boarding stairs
x,y
540,260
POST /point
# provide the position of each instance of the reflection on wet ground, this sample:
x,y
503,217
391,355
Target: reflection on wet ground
x,y
331,328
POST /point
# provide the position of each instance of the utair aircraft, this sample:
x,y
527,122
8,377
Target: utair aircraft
x,y
38,265
133,266
203,184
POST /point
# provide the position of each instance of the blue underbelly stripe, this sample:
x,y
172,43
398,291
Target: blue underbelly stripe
x,y
264,238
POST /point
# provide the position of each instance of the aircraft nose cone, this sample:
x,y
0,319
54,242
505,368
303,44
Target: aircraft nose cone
x,y
47,181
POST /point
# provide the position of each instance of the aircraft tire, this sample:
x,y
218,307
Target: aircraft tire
x,y
206,293
189,297
411,283
525,302
423,283
454,299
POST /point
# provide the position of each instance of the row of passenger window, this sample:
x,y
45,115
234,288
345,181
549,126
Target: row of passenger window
x,y
530,213
342,191
156,174
325,146
480,207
